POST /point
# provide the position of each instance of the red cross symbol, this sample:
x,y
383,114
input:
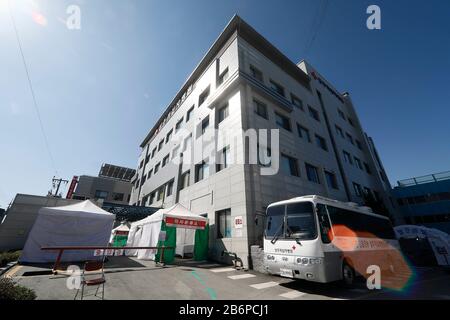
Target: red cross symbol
x,y
293,247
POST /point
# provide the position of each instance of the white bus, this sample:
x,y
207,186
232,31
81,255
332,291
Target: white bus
x,y
319,239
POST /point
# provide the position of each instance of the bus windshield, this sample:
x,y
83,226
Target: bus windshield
x,y
300,221
297,222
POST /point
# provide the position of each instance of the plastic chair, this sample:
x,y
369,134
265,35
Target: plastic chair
x,y
94,278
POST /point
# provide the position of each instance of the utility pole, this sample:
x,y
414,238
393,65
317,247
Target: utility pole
x,y
56,183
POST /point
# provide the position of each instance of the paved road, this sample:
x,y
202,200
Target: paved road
x,y
135,279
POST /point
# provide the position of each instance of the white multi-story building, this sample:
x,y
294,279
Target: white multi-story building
x,y
244,82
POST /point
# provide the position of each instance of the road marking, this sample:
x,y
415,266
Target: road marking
x,y
264,285
292,294
242,276
223,270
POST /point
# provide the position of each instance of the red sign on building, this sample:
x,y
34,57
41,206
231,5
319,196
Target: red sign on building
x,y
185,223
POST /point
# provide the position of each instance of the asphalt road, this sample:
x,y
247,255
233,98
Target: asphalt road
x,y
136,279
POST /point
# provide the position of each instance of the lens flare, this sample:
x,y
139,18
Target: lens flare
x,y
362,249
39,18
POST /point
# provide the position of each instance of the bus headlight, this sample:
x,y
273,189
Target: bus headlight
x,y
315,260
306,261
270,257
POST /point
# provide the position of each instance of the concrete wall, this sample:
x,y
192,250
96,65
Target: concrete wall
x,y
88,185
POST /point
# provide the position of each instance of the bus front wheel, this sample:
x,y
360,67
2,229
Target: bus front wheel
x,y
348,274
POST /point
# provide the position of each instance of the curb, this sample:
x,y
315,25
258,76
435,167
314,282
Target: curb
x,y
8,266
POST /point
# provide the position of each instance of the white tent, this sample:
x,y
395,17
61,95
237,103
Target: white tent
x,y
145,233
122,228
80,224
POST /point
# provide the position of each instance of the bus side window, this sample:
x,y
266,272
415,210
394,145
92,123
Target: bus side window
x,y
324,223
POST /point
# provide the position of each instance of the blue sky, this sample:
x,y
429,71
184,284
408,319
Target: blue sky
x,y
100,89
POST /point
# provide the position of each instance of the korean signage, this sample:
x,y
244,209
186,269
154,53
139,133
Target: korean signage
x,y
185,223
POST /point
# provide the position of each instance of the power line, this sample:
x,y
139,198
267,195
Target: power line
x,y
32,90
316,24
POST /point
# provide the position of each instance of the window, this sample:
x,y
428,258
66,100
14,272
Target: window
x,y
223,113
321,143
223,76
366,166
141,164
349,137
300,222
175,151
313,113
341,114
297,102
203,96
201,171
147,158
339,131
164,161
118,196
358,144
289,165
223,221
265,159
260,109
350,121
189,114
160,145
153,152
348,157
187,142
277,88
178,125
204,125
169,188
100,194
257,74
357,188
157,167
303,133
224,159
185,177
312,173
358,163
169,136
282,121
160,193
367,191
144,178
331,180
324,223
152,197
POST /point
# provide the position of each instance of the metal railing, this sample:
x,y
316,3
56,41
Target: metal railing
x,y
62,249
424,179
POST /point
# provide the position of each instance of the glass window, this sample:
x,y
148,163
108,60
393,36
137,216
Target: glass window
x,y
357,188
296,102
341,114
339,131
165,160
275,221
260,109
170,188
312,173
303,133
257,74
223,76
178,125
223,113
331,180
204,125
282,121
300,221
152,197
157,167
277,88
366,166
187,142
153,152
349,137
358,144
201,171
289,165
358,163
189,114
203,96
160,145
100,194
313,113
185,180
169,136
321,143
347,157
224,159
223,218
324,223
118,196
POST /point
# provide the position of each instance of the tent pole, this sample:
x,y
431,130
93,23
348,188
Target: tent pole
x,y
58,259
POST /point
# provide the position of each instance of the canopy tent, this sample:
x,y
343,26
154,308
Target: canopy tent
x,y
176,227
119,235
80,224
439,240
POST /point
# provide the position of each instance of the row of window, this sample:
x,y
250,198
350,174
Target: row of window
x,y
357,162
431,218
166,190
427,198
348,137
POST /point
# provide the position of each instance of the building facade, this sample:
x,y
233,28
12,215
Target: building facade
x,y
425,200
112,185
243,84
